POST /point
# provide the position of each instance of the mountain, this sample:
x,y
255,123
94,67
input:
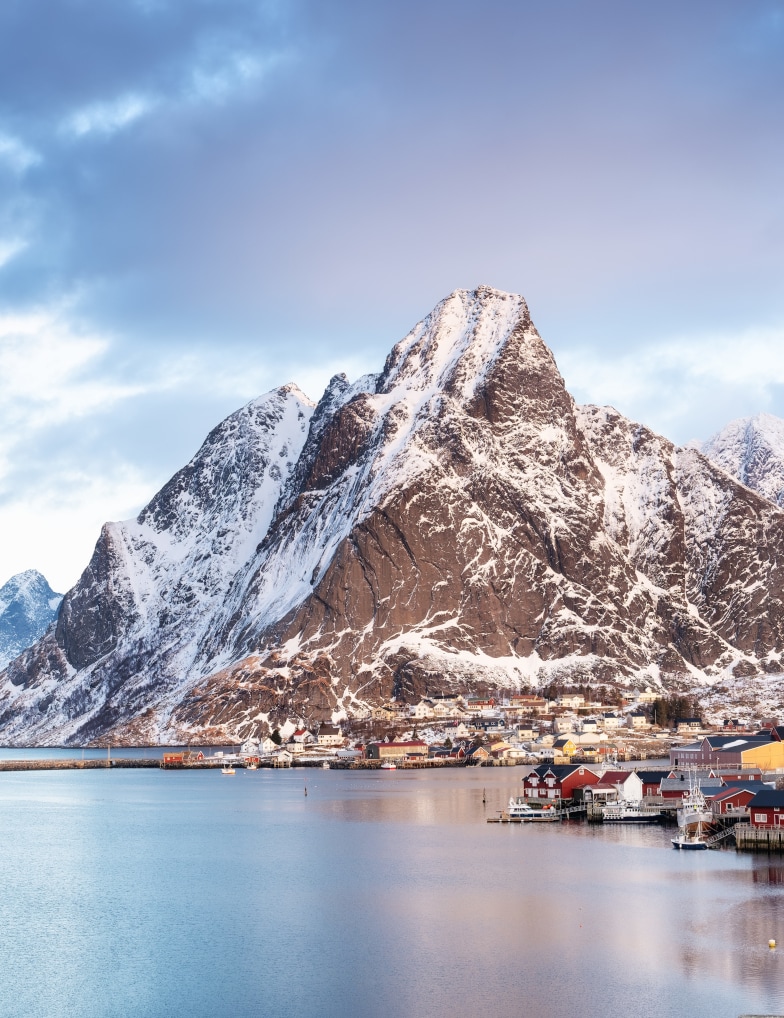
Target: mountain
x,y
28,606
454,521
751,449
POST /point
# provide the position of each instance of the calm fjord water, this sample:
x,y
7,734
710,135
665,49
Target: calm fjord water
x,y
150,893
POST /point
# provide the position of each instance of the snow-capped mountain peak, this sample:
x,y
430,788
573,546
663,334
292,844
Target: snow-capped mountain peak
x,y
751,449
28,605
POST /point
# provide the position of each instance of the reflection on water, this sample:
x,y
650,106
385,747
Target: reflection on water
x,y
157,893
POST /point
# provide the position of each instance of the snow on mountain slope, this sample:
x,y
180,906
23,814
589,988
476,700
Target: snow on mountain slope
x,y
128,632
454,521
751,449
28,606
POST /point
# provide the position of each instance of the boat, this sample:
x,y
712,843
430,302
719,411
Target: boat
x,y
689,841
521,809
387,765
227,770
694,820
251,767
628,812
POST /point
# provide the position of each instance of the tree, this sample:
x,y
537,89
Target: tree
x,y
276,737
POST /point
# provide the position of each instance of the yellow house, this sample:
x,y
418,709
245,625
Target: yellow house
x,y
564,746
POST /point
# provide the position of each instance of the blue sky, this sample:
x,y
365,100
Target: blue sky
x,y
200,200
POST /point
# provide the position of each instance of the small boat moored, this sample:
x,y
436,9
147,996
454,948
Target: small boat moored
x,y
692,842
520,809
387,765
625,812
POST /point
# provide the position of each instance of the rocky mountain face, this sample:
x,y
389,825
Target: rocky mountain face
x,y
28,606
751,449
452,522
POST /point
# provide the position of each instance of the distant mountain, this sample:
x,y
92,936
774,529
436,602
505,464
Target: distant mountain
x,y
452,522
28,606
751,449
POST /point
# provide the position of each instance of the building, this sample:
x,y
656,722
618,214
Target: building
x,y
563,746
651,781
734,799
557,781
637,719
648,696
573,700
763,750
479,706
530,704
330,735
424,709
766,809
685,725
396,750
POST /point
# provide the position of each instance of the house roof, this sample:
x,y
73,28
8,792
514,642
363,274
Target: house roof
x,y
769,797
728,793
615,777
652,777
735,741
558,771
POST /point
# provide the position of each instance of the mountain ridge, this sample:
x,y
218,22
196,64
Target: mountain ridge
x,y
453,521
28,605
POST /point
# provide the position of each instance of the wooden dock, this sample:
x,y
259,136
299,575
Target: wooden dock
x,y
759,839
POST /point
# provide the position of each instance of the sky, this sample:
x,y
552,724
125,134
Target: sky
x,y
201,200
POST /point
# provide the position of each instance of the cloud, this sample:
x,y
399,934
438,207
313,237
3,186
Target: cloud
x,y
108,117
15,154
686,386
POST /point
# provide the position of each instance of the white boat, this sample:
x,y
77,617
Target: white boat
x,y
694,820
689,841
387,765
626,812
227,770
694,809
520,809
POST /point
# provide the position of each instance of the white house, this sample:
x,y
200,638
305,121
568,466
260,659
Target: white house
x,y
267,747
330,735
423,710
637,720
571,700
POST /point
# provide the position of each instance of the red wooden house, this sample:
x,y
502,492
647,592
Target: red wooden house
x,y
557,781
731,801
766,809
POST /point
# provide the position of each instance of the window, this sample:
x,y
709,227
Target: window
x,y
760,818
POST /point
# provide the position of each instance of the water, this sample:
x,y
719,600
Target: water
x,y
152,893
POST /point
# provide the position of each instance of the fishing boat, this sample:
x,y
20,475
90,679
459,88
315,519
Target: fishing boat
x,y
629,812
387,765
692,841
520,809
694,809
227,770
694,820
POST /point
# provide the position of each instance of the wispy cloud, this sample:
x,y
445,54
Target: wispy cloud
x,y
108,117
16,155
212,80
673,384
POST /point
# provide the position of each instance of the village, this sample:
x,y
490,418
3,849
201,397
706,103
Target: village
x,y
716,782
